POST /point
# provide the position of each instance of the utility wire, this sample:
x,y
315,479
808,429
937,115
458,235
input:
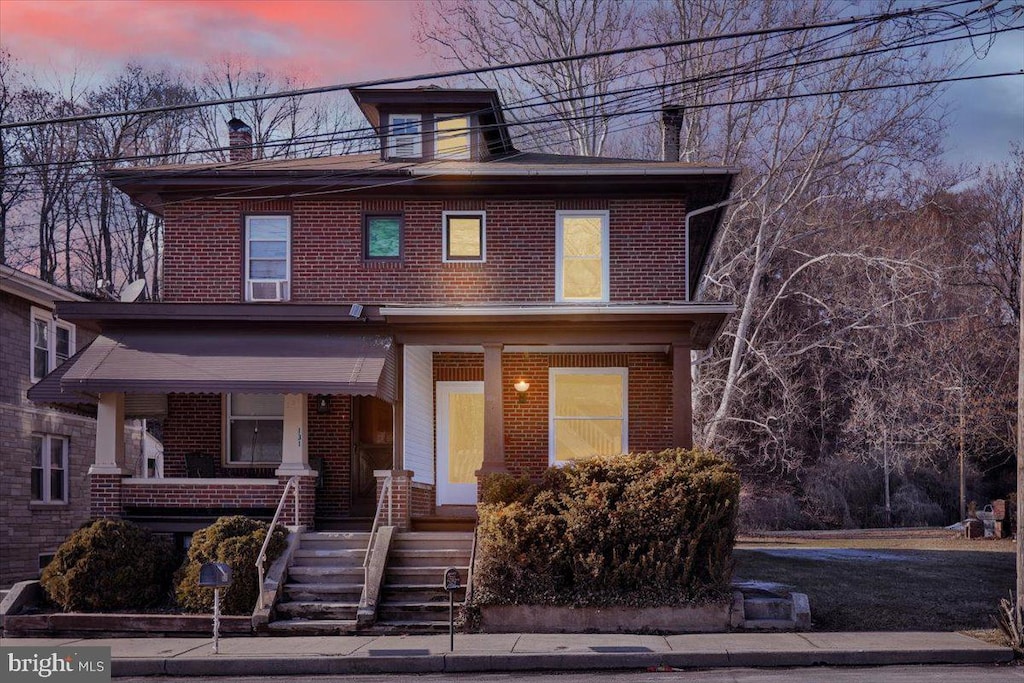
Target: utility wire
x,y
870,18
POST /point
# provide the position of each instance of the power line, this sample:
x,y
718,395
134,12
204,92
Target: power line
x,y
871,18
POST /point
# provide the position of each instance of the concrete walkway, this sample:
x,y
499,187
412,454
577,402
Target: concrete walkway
x,y
256,656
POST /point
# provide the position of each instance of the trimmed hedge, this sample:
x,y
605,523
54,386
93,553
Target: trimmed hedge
x,y
235,541
109,565
647,529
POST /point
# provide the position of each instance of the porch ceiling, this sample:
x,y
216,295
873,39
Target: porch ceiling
x,y
224,360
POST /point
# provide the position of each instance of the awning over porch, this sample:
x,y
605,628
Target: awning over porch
x,y
163,361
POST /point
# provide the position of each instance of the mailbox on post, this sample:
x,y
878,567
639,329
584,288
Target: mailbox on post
x,y
452,583
215,575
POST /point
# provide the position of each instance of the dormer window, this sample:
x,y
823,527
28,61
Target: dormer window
x,y
405,140
451,137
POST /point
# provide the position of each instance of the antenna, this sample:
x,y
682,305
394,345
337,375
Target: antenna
x,y
133,291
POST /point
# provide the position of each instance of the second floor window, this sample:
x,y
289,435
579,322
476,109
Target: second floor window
x,y
405,140
382,238
581,256
53,342
255,428
465,236
49,468
452,137
267,258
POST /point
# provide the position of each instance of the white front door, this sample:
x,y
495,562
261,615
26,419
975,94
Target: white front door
x,y
460,441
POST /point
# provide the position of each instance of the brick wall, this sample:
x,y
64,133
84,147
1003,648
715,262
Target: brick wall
x,y
203,252
526,424
330,438
424,498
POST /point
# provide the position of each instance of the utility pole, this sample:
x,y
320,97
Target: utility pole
x,y
1020,431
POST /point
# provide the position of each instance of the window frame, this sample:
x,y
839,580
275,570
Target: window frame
x,y
553,372
46,442
392,136
604,215
462,156
247,280
367,217
228,418
52,325
445,257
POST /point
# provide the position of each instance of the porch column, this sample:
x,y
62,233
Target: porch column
x,y
109,435
107,470
295,448
494,418
682,395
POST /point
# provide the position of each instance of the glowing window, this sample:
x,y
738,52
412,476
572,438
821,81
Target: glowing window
x,y
587,413
465,237
581,267
452,137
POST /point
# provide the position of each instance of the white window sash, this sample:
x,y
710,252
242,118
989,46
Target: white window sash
x,y
560,256
466,132
397,121
230,419
287,279
51,326
47,468
553,417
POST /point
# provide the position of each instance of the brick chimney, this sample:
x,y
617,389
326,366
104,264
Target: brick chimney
x,y
671,129
239,141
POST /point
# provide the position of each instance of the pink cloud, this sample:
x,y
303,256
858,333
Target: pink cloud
x,y
324,40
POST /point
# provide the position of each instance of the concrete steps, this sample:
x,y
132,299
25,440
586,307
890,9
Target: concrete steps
x,y
413,599
325,582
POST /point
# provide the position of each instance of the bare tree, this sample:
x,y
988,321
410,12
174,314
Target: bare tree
x,y
14,187
575,96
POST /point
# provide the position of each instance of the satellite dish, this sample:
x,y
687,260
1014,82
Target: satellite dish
x,y
133,291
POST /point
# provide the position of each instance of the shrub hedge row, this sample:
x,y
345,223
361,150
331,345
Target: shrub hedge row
x,y
646,529
110,565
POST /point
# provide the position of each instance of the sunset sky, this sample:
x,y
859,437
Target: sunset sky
x,y
335,41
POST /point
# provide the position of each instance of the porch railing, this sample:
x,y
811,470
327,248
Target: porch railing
x,y
385,492
293,487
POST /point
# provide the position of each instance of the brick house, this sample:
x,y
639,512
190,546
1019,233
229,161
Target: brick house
x,y
45,453
448,307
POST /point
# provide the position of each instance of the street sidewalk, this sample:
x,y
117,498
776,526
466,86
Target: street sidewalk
x,y
312,655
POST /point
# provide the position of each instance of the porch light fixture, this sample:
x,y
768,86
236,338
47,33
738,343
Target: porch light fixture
x,y
323,404
521,387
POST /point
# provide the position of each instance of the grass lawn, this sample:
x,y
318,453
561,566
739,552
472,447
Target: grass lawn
x,y
891,582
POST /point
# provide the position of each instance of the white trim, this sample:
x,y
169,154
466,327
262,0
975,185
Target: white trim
x,y
467,131
418,413
226,461
287,281
46,445
448,493
32,289
576,309
582,348
553,371
392,137
52,325
605,254
444,236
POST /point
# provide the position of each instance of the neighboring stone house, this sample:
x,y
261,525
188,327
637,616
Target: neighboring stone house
x,y
449,307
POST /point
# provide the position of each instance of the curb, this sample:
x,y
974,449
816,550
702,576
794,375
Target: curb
x,y
579,661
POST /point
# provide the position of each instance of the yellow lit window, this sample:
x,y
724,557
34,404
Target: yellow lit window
x,y
453,138
464,237
588,413
582,257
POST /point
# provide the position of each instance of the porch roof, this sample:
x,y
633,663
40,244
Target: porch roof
x,y
160,360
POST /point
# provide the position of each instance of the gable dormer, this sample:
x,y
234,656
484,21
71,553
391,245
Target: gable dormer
x,y
436,124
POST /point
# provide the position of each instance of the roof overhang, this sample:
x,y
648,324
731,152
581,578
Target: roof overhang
x,y
31,288
697,324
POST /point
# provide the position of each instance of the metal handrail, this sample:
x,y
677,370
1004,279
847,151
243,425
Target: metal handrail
x,y
384,489
291,485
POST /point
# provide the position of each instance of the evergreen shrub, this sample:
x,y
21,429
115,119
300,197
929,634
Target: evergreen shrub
x,y
109,565
235,541
647,529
